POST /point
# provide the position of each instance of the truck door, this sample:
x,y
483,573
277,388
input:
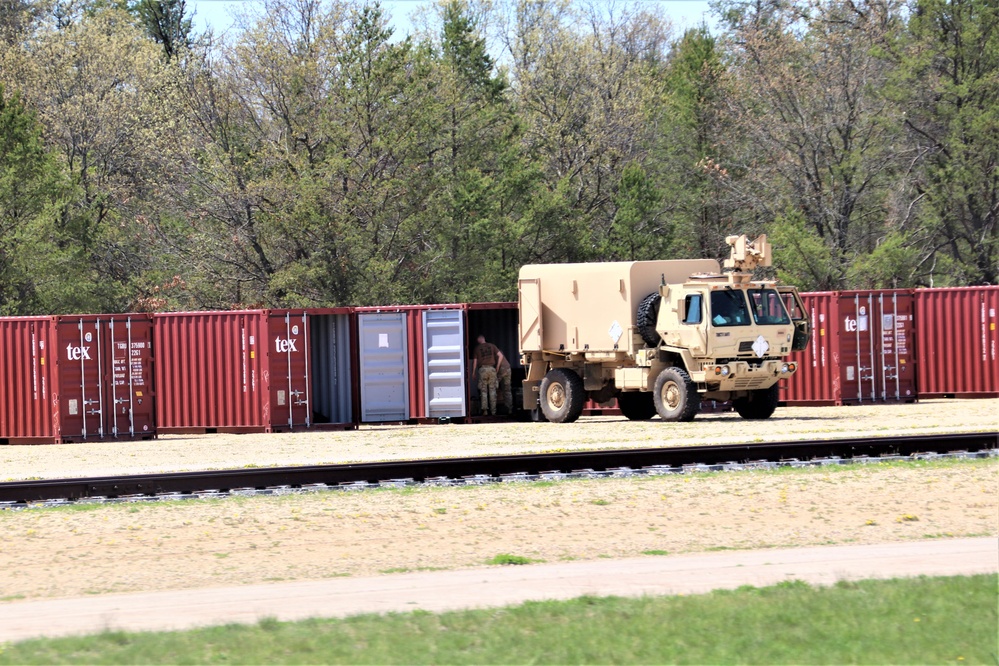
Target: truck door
x,y
796,310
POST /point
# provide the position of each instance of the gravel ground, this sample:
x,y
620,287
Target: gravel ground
x,y
193,544
373,442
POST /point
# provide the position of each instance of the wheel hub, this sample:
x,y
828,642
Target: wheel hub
x,y
671,395
556,396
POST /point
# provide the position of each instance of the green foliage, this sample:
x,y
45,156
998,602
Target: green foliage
x,y
637,231
313,159
948,81
801,256
891,265
39,261
167,23
918,621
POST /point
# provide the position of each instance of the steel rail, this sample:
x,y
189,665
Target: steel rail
x,y
489,466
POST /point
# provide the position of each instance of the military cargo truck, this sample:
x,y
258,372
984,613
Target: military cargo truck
x,y
660,336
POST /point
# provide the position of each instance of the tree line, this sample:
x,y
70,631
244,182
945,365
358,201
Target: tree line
x,y
310,157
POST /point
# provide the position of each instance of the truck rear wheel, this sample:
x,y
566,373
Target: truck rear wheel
x,y
636,405
759,404
648,318
562,395
675,396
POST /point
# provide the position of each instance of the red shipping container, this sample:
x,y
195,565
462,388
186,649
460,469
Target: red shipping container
x,y
861,350
248,371
210,371
499,323
421,378
76,378
957,341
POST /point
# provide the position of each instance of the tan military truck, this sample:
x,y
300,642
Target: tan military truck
x,y
660,336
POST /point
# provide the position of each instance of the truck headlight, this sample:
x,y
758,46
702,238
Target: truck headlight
x,y
722,370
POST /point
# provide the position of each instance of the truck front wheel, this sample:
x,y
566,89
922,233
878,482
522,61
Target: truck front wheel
x,y
675,396
759,405
562,396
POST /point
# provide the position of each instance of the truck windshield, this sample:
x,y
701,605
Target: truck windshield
x,y
768,307
728,308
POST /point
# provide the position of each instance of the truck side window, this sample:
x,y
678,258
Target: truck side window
x,y
692,309
768,308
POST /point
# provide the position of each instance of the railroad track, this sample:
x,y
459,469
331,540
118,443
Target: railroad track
x,y
453,471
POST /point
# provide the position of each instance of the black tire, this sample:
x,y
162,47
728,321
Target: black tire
x,y
675,396
636,405
648,318
759,404
562,396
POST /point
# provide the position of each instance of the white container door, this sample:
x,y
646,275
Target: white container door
x,y
444,363
384,367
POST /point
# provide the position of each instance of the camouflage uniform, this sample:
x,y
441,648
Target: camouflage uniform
x,y
486,356
487,389
503,376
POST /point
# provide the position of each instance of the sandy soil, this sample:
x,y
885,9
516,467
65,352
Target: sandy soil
x,y
148,546
125,548
373,443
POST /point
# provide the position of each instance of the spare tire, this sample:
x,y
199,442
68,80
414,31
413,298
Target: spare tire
x,y
647,318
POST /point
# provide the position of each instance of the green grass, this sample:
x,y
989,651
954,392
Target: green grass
x,y
922,621
506,558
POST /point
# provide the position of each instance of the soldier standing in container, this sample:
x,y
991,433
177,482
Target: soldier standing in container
x,y
503,374
486,357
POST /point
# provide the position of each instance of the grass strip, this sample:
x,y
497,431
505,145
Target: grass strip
x,y
907,621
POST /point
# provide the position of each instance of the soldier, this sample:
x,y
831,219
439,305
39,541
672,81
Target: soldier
x,y
486,358
503,375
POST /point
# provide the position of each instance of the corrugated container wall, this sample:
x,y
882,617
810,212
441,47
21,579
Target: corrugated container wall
x,y
210,374
76,378
29,409
862,349
334,357
958,342
254,370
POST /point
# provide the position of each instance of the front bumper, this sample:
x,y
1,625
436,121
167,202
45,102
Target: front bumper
x,y
742,375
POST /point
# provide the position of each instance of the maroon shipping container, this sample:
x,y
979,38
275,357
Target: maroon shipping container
x,y
410,363
76,378
252,370
415,360
499,323
861,350
957,341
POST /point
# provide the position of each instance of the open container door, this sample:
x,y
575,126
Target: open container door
x,y
384,366
443,364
